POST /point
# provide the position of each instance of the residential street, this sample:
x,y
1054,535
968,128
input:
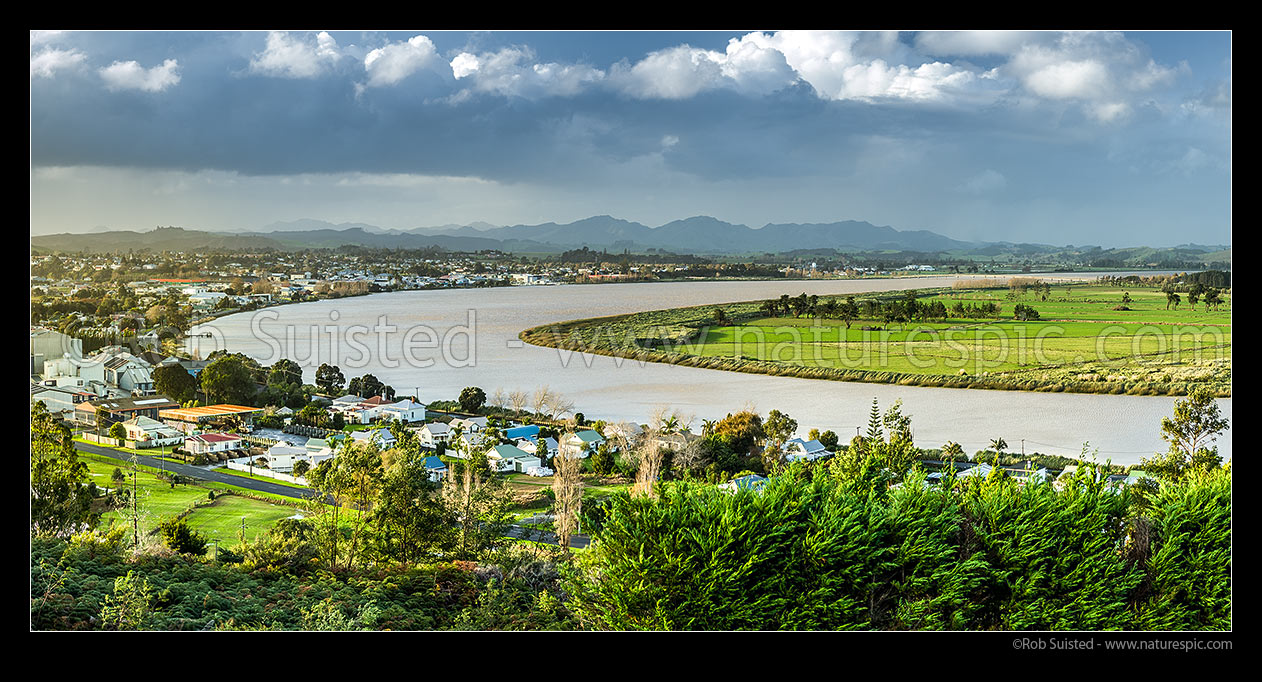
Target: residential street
x,y
205,474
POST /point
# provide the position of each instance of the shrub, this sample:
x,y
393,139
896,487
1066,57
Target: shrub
x,y
181,538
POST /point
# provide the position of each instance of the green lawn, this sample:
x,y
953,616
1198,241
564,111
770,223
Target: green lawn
x,y
158,500
222,519
1078,337
256,477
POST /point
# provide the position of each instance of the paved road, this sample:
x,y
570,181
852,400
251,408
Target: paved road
x,y
199,473
204,474
576,541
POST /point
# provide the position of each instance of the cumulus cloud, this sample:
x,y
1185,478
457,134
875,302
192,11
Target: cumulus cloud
x,y
48,62
393,63
464,64
842,65
749,65
513,72
288,57
1104,72
131,75
674,73
40,37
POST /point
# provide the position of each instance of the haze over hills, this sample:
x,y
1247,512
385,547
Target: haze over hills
x,y
700,235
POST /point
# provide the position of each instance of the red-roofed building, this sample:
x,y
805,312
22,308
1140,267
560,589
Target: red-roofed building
x,y
211,443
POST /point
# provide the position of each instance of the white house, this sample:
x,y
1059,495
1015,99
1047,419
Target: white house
x,y
547,448
752,482
211,443
798,450
469,425
625,431
431,435
151,432
405,410
282,456
382,437
510,458
584,442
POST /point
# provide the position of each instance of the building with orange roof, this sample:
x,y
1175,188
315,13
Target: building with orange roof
x,y
190,419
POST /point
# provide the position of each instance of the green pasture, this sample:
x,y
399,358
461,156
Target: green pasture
x,y
1081,341
158,501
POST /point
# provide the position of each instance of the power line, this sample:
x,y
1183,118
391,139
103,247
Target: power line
x,y
1104,452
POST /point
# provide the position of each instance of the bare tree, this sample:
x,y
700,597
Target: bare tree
x,y
690,457
499,399
518,400
623,435
559,406
540,400
567,485
665,419
650,455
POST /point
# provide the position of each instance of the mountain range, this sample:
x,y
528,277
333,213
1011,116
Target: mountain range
x,y
701,235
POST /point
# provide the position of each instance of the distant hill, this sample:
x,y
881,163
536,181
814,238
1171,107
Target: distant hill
x,y
160,239
698,235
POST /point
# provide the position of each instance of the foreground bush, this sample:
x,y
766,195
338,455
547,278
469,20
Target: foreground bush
x,y
819,552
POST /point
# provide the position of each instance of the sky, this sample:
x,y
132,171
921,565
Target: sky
x,y
1107,138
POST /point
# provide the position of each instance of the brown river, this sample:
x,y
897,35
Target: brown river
x,y
434,343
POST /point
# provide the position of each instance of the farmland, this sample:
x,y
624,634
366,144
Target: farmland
x,y
1088,338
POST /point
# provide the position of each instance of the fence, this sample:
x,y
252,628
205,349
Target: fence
x,y
266,473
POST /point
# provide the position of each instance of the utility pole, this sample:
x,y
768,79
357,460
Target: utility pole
x,y
135,512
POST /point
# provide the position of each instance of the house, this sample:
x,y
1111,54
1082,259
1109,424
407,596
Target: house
x,y
980,471
798,450
435,467
381,437
122,409
675,442
530,432
347,406
151,432
405,410
469,424
116,367
319,446
625,432
510,458
752,482
431,435
547,447
585,441
214,444
282,456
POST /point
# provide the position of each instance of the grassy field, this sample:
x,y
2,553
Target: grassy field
x,y
1082,342
222,518
256,477
158,501
528,487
